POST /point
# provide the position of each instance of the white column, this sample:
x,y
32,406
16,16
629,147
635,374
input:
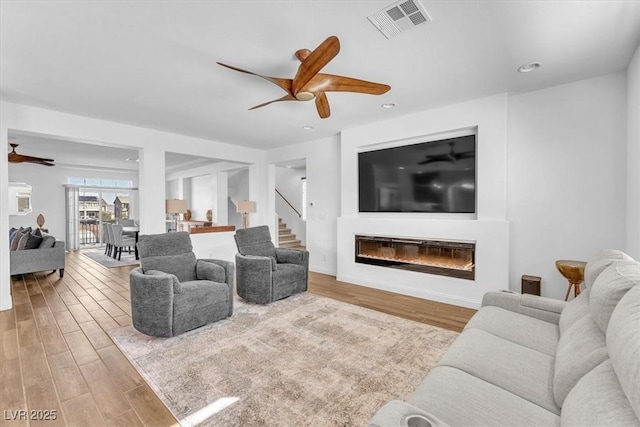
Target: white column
x,y
5,279
220,201
152,191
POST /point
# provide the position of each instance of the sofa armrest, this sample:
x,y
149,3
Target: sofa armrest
x,y
152,301
398,413
541,308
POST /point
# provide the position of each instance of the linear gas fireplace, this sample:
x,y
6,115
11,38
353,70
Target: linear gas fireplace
x,y
446,258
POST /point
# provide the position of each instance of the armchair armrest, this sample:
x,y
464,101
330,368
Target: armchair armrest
x,y
541,308
254,274
398,413
152,301
292,256
229,274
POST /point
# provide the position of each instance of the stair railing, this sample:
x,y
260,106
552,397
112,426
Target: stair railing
x,y
290,205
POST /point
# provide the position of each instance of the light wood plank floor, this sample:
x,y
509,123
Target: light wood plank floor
x,y
56,355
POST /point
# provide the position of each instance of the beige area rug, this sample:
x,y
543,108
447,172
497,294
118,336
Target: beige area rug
x,y
303,361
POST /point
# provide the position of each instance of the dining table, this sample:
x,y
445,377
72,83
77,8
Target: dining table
x,y
133,230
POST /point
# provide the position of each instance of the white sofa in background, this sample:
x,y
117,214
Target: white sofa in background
x,y
524,360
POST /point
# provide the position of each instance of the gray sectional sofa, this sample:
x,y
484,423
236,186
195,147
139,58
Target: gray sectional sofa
x,y
39,259
524,360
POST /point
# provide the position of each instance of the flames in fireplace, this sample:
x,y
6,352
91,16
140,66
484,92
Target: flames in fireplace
x,y
455,259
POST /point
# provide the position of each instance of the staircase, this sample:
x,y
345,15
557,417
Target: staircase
x,y
286,239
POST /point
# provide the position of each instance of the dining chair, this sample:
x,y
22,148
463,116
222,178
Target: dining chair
x,y
110,238
121,241
106,238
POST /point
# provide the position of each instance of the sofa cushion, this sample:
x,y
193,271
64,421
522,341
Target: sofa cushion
x,y
16,240
599,262
581,348
517,369
29,241
200,302
598,400
609,288
524,330
623,342
183,266
47,241
461,399
574,310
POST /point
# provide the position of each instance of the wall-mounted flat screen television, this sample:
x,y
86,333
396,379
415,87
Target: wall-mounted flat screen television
x,y
434,176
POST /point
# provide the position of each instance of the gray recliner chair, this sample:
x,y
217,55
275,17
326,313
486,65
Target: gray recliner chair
x,y
173,292
266,273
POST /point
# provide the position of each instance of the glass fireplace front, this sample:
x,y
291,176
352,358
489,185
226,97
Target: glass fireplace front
x,y
446,258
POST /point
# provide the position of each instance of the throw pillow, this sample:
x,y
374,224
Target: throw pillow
x,y
47,241
12,231
16,240
37,232
29,241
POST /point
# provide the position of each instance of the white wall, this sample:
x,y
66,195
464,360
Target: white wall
x,y
48,197
203,192
567,179
238,182
633,156
289,184
152,145
322,158
489,228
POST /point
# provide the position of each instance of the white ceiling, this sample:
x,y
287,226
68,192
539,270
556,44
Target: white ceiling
x,y
153,64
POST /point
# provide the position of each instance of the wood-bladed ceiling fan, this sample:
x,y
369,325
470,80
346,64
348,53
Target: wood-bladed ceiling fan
x,y
19,158
309,83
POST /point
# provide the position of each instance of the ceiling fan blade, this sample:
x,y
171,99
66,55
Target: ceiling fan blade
x,y
284,98
313,63
41,162
285,84
322,105
332,83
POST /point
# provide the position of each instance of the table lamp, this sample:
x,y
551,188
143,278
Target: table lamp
x,y
245,207
175,207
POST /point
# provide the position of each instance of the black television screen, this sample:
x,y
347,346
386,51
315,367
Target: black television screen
x,y
435,176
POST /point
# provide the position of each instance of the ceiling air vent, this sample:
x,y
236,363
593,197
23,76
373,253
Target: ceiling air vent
x,y
399,17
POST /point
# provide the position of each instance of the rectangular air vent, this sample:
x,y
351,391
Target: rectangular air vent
x,y
399,17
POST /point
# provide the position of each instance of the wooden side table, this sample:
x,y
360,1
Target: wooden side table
x,y
573,271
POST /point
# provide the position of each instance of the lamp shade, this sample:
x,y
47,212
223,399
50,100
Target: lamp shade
x,y
175,206
245,206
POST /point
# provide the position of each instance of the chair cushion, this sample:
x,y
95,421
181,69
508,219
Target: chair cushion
x,y
183,266
524,330
609,288
150,245
581,348
200,302
255,241
461,399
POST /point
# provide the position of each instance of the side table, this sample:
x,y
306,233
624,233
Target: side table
x,y
573,271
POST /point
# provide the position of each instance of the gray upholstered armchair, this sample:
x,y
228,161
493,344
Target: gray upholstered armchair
x,y
266,273
172,292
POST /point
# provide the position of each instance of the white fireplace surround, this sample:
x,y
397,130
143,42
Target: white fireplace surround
x,y
488,227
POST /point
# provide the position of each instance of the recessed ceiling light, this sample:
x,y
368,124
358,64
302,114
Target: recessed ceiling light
x,y
527,68
307,127
389,105
130,159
